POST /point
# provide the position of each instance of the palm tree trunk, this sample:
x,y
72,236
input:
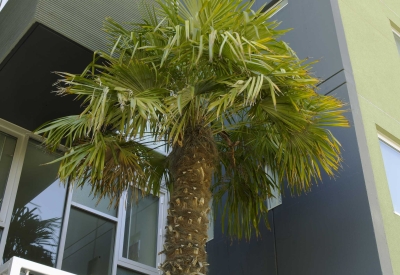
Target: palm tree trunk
x,y
191,165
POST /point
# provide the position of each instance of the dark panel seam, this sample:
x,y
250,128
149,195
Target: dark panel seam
x,y
319,84
336,88
275,249
19,44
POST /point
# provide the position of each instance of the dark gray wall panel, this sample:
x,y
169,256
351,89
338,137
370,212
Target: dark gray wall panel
x,y
329,231
26,78
313,35
329,85
256,256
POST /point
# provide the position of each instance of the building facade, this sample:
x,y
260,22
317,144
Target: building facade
x,y
347,225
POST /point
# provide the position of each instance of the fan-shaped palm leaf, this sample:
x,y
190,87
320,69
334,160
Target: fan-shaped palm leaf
x,y
212,81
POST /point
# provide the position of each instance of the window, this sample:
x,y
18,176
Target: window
x,y
270,4
83,197
123,271
391,159
396,35
142,233
47,223
89,244
276,198
7,149
2,4
141,229
34,230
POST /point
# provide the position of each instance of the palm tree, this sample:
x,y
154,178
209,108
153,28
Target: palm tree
x,y
213,82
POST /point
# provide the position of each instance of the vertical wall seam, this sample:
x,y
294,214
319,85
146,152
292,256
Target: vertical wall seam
x,y
275,246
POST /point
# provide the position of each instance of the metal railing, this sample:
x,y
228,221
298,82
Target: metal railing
x,y
18,266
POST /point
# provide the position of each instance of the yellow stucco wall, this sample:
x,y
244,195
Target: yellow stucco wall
x,y
376,66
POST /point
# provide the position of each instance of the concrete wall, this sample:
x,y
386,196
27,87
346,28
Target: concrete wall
x,y
376,67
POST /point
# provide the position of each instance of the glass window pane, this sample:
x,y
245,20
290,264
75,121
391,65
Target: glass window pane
x,y
89,244
141,227
38,210
391,160
83,196
7,148
124,271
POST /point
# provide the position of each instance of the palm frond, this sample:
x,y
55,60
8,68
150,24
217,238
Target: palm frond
x,y
215,64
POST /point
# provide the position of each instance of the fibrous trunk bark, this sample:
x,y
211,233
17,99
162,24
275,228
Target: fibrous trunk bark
x,y
191,165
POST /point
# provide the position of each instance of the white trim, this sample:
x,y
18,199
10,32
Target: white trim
x,y
13,178
162,222
63,235
120,212
396,147
389,141
396,32
17,266
16,130
93,211
23,136
15,169
133,265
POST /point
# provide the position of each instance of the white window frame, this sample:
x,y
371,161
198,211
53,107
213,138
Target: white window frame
x,y
69,203
396,32
10,193
16,165
162,218
396,147
22,135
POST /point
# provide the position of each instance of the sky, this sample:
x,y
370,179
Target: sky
x,y
3,2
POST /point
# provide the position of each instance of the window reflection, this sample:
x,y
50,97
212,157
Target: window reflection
x,y
83,196
141,227
89,244
36,219
124,271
